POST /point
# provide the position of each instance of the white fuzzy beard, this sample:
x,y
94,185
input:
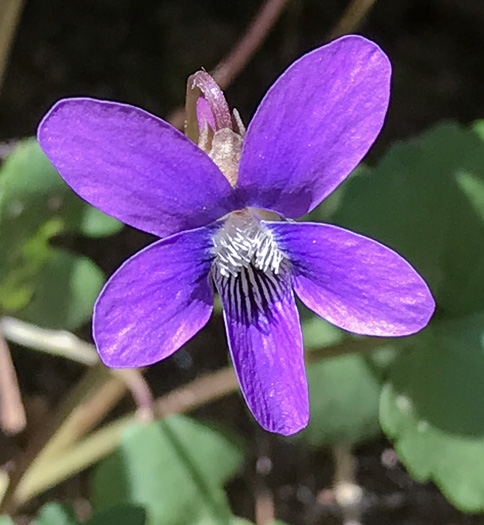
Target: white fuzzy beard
x,y
250,272
243,242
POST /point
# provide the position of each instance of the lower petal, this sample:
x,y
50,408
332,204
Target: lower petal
x,y
354,282
156,301
265,342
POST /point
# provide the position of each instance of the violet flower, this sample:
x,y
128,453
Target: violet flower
x,y
222,209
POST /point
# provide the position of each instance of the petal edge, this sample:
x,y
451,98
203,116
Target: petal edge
x,y
134,166
314,125
265,342
155,302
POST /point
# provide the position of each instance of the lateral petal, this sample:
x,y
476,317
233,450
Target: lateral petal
x,y
354,282
134,166
156,301
314,126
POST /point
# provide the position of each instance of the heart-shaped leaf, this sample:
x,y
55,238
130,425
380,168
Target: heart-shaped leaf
x,y
174,468
425,199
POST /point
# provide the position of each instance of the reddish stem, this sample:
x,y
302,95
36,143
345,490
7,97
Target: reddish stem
x,y
228,69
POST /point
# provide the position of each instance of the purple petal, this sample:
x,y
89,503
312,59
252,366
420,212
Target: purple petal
x,y
314,126
265,342
205,114
156,301
134,166
354,282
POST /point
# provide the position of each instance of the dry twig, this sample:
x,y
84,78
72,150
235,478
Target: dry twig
x,y
12,412
9,17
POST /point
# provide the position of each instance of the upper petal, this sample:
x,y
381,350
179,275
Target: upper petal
x,y
314,125
156,301
265,342
134,166
354,282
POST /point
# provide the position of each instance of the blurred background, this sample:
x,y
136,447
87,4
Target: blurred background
x,y
141,52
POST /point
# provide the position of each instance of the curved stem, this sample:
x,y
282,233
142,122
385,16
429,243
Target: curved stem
x,y
10,11
352,18
65,344
245,48
54,342
92,379
230,66
12,413
347,492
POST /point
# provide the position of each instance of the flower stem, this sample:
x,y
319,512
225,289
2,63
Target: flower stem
x,y
54,342
85,416
259,28
95,395
352,18
9,17
348,494
64,344
46,474
233,63
135,382
49,470
90,381
12,413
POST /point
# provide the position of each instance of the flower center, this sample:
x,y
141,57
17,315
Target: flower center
x,y
243,242
250,272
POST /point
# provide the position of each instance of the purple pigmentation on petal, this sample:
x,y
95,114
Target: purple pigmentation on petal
x,y
354,282
155,301
314,126
134,166
265,341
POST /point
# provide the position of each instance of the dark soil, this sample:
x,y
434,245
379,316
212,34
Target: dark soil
x,y
141,52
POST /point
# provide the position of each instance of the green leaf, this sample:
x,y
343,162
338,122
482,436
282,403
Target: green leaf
x,y
5,520
26,261
432,407
326,210
32,192
64,291
472,187
122,515
318,333
230,520
425,199
39,283
344,391
345,394
55,514
175,468
95,223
